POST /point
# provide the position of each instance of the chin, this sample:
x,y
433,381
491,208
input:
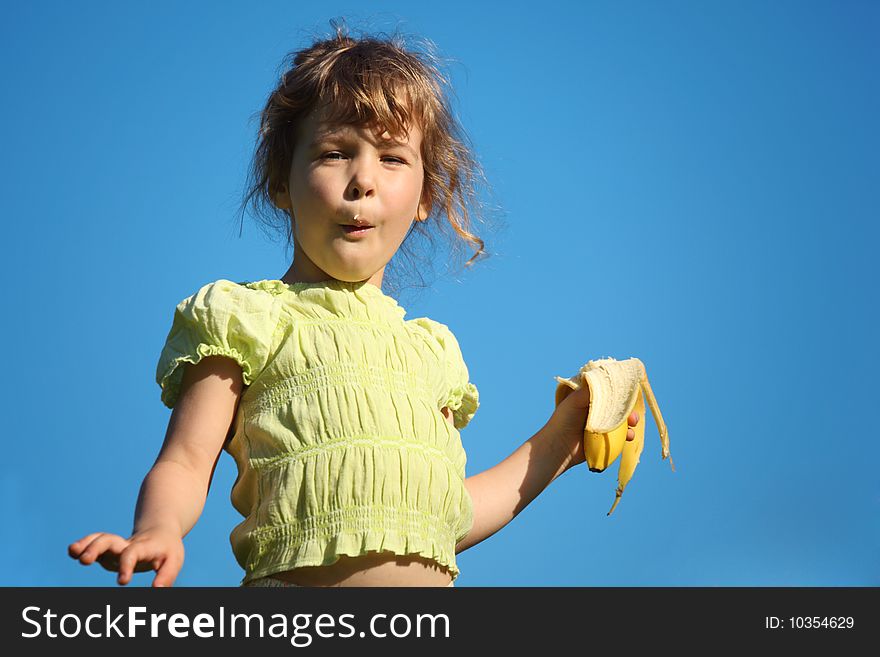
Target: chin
x,y
352,269
352,277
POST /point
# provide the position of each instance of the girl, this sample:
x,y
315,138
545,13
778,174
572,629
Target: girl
x,y
343,418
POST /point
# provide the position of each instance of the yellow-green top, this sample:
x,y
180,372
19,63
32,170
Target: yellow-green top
x,y
340,443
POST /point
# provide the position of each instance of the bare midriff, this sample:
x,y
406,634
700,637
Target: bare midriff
x,y
374,569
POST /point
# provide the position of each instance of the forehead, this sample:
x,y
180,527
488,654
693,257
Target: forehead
x,y
316,128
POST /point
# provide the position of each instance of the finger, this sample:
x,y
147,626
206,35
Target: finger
x,y
167,572
137,558
630,434
105,550
94,549
75,549
633,419
128,561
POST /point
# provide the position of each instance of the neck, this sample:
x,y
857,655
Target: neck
x,y
303,270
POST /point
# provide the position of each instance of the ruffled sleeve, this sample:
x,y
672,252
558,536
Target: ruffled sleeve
x,y
460,396
221,319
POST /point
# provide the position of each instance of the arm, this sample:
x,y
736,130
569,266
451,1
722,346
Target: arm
x,y
173,493
501,492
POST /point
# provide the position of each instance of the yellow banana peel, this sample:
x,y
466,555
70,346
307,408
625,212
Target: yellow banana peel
x,y
617,388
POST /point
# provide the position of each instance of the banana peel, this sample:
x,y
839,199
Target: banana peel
x,y
617,388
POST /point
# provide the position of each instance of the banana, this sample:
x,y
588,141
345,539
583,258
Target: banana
x,y
617,388
631,452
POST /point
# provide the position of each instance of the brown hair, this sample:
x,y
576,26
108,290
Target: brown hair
x,y
370,81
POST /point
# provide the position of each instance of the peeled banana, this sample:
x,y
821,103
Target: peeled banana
x,y
617,388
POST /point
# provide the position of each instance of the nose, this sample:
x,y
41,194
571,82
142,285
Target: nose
x,y
363,181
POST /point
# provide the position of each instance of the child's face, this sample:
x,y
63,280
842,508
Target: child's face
x,y
338,172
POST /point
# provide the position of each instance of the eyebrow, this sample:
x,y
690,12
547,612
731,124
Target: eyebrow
x,y
334,134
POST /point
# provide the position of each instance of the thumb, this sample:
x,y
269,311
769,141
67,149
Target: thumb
x,y
571,413
578,399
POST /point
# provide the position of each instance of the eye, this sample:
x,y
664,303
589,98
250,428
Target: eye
x,y
393,159
333,155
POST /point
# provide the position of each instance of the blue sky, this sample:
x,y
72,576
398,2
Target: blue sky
x,y
691,183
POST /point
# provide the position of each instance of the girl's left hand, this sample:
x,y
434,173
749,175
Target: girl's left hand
x,y
568,421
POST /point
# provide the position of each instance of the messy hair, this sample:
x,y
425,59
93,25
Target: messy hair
x,y
371,81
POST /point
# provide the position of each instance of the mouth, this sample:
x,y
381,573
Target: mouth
x,y
351,229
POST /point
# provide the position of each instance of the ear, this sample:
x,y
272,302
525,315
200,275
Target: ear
x,y
424,210
282,198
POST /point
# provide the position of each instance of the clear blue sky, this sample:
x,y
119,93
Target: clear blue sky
x,y
691,183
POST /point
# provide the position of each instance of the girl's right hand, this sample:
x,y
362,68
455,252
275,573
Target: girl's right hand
x,y
155,549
